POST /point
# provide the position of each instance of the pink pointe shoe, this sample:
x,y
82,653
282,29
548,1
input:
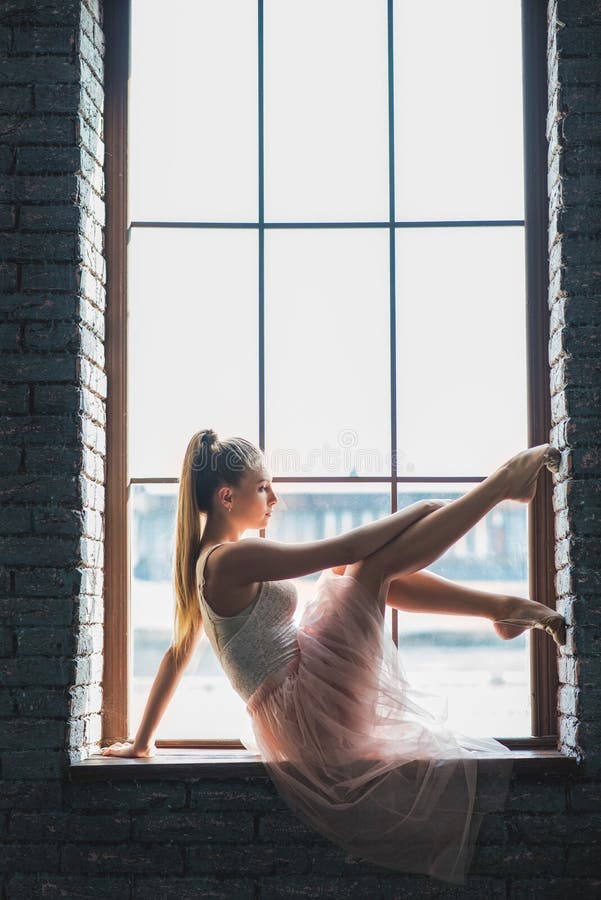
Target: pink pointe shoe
x,y
554,624
552,459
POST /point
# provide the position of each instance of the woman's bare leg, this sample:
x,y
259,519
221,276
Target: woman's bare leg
x,y
423,542
427,592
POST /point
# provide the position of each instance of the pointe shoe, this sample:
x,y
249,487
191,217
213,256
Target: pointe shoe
x,y
552,459
554,624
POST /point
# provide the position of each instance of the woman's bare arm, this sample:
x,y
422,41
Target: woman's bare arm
x,y
163,688
256,559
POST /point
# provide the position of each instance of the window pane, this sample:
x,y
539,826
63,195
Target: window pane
x,y
193,111
327,351
326,113
193,342
458,110
461,349
204,706
486,679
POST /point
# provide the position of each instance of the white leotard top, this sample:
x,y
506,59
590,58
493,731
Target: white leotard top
x,y
257,641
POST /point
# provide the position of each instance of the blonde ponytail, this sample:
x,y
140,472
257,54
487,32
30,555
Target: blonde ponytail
x,y
188,532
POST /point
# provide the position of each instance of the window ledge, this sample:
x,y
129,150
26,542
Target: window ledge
x,y
175,764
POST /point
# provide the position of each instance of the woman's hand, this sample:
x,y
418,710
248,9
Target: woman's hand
x,y
129,749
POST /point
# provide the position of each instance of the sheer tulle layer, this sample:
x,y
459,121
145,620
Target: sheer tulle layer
x,y
364,758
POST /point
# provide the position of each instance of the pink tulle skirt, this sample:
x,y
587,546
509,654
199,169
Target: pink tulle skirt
x,y
355,753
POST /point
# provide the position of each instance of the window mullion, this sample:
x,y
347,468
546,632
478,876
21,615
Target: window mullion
x,y
392,292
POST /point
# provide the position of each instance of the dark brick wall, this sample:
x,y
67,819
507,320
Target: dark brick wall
x,y
182,837
53,383
574,183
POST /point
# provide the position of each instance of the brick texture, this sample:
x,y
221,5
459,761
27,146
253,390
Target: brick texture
x,y
215,837
574,75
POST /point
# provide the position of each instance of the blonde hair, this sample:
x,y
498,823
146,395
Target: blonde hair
x,y
208,464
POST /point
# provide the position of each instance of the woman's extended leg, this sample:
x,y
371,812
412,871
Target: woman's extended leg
x,y
428,592
423,542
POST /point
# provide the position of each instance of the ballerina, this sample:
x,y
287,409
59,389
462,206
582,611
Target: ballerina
x,y
346,739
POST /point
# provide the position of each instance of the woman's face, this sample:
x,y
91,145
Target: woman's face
x,y
255,498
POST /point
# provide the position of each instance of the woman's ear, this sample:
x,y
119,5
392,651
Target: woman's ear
x,y
225,496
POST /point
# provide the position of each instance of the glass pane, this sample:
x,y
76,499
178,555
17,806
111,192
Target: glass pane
x,y
219,711
461,349
193,342
326,111
458,110
193,139
327,352
486,679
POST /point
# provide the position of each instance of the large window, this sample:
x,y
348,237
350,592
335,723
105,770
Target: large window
x,y
326,254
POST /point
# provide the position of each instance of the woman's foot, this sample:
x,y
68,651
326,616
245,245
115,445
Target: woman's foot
x,y
519,615
520,473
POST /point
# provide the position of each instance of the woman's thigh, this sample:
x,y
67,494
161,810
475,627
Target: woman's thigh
x,y
369,573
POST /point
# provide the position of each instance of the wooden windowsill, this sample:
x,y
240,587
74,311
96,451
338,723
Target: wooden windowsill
x,y
174,764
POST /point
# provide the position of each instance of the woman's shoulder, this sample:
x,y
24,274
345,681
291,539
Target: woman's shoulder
x,y
206,548
221,549
224,598
224,549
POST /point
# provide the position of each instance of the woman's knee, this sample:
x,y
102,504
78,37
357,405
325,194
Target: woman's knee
x,y
369,573
394,560
400,556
